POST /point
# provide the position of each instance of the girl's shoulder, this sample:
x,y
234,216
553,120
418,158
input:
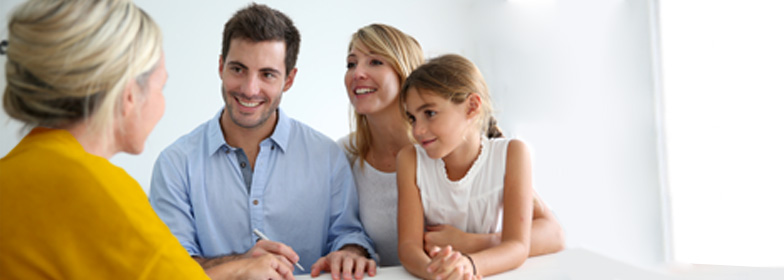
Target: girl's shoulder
x,y
504,149
506,145
517,151
407,153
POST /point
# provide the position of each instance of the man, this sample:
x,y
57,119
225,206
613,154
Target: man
x,y
253,167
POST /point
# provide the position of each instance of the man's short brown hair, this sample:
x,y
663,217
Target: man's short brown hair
x,y
260,23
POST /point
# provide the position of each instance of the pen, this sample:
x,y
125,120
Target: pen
x,y
264,237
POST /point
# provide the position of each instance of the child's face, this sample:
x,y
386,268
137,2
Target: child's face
x,y
438,125
371,82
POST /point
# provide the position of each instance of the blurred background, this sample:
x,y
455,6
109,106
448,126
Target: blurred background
x,y
657,126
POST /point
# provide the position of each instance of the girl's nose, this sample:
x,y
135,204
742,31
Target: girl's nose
x,y
419,129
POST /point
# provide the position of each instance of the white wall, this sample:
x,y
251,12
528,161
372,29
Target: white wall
x,y
727,157
573,79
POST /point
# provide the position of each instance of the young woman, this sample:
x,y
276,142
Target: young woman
x,y
460,173
380,57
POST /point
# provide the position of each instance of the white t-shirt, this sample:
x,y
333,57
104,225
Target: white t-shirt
x,y
473,204
377,192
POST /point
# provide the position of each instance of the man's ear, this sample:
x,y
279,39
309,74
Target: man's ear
x,y
220,65
474,105
290,79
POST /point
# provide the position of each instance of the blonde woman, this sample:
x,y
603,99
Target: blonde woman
x,y
87,77
380,57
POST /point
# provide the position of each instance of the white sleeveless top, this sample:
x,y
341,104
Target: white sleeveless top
x,y
473,204
377,192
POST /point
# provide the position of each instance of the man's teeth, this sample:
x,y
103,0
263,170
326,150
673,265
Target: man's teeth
x,y
364,91
247,104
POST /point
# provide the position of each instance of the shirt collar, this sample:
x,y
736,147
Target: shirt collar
x,y
279,137
215,139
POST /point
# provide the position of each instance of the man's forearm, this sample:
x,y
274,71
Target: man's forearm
x,y
210,262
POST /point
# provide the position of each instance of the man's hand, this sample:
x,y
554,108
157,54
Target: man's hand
x,y
263,247
265,266
345,261
284,253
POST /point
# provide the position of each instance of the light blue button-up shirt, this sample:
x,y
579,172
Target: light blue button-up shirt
x,y
301,193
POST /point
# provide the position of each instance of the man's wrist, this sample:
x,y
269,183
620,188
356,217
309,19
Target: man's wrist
x,y
211,262
356,249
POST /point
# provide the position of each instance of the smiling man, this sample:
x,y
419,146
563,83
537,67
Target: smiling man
x,y
252,167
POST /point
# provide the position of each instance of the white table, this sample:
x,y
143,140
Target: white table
x,y
570,264
581,264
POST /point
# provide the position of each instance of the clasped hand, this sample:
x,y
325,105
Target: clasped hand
x,y
446,263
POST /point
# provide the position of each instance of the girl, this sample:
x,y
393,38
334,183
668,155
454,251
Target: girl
x,y
461,174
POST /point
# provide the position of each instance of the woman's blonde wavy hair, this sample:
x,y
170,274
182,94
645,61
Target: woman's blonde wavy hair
x,y
404,54
70,60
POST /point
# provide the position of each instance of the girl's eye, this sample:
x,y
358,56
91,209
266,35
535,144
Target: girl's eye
x,y
351,65
411,119
376,62
430,113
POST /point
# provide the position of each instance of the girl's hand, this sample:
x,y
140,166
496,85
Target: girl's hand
x,y
446,263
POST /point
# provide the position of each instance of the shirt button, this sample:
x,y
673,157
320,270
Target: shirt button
x,y
273,147
255,202
227,151
242,164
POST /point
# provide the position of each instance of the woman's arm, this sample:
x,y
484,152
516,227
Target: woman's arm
x,y
546,235
410,218
518,216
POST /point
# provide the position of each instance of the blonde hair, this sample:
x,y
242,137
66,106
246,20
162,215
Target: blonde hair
x,y
402,52
454,78
70,60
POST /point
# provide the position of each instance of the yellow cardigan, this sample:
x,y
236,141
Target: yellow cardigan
x,y
67,214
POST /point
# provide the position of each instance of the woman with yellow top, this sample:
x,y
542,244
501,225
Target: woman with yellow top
x,y
87,76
